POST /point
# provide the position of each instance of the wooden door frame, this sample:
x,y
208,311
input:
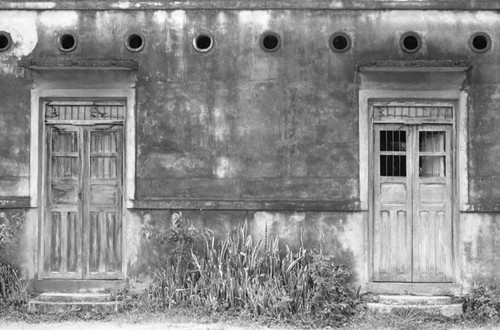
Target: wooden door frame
x,y
79,127
411,122
412,128
39,151
460,180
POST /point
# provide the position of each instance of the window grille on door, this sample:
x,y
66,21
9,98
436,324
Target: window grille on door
x,y
391,112
95,111
393,153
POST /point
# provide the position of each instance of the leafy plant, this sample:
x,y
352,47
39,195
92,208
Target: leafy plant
x,y
238,274
12,288
483,303
10,227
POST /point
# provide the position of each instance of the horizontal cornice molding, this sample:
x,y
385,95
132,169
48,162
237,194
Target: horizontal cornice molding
x,y
77,64
14,202
254,5
245,205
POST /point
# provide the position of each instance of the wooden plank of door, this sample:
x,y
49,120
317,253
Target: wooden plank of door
x,y
64,242
102,245
72,242
55,239
110,246
86,212
93,242
432,239
46,236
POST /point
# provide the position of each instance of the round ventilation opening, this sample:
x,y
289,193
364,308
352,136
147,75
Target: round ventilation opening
x,y
340,42
203,42
270,41
135,42
67,42
5,41
410,42
480,42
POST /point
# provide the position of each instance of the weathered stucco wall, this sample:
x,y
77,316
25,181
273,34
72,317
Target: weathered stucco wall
x,y
481,243
15,96
341,235
241,124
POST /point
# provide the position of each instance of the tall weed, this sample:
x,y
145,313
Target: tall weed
x,y
239,274
12,288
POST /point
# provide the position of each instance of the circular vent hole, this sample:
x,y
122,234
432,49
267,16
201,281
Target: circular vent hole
x,y
410,42
67,42
203,43
270,41
480,42
340,42
5,41
134,42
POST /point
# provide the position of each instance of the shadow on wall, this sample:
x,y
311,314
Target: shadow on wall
x,y
151,254
315,230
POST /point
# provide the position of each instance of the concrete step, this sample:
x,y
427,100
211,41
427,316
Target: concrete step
x,y
421,289
82,286
414,300
73,297
445,310
52,307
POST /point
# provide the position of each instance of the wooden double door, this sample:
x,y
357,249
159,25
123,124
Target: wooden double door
x,y
82,223
412,197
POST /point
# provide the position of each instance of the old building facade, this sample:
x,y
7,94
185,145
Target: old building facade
x,y
369,127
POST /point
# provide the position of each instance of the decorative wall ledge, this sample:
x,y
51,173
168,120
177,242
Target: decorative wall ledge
x,y
75,64
415,66
482,208
254,4
246,205
14,202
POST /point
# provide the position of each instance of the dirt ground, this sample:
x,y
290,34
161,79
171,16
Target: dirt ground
x,y
82,325
96,325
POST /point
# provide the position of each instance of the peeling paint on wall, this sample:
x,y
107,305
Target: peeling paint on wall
x,y
258,18
59,19
23,30
480,244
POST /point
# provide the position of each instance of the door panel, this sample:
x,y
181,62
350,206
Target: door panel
x,y
82,222
104,203
63,210
432,225
392,233
412,203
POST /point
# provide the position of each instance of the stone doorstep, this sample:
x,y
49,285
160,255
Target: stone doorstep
x,y
74,297
78,286
61,307
413,300
57,302
445,310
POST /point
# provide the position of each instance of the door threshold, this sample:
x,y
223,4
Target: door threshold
x,y
78,285
419,289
